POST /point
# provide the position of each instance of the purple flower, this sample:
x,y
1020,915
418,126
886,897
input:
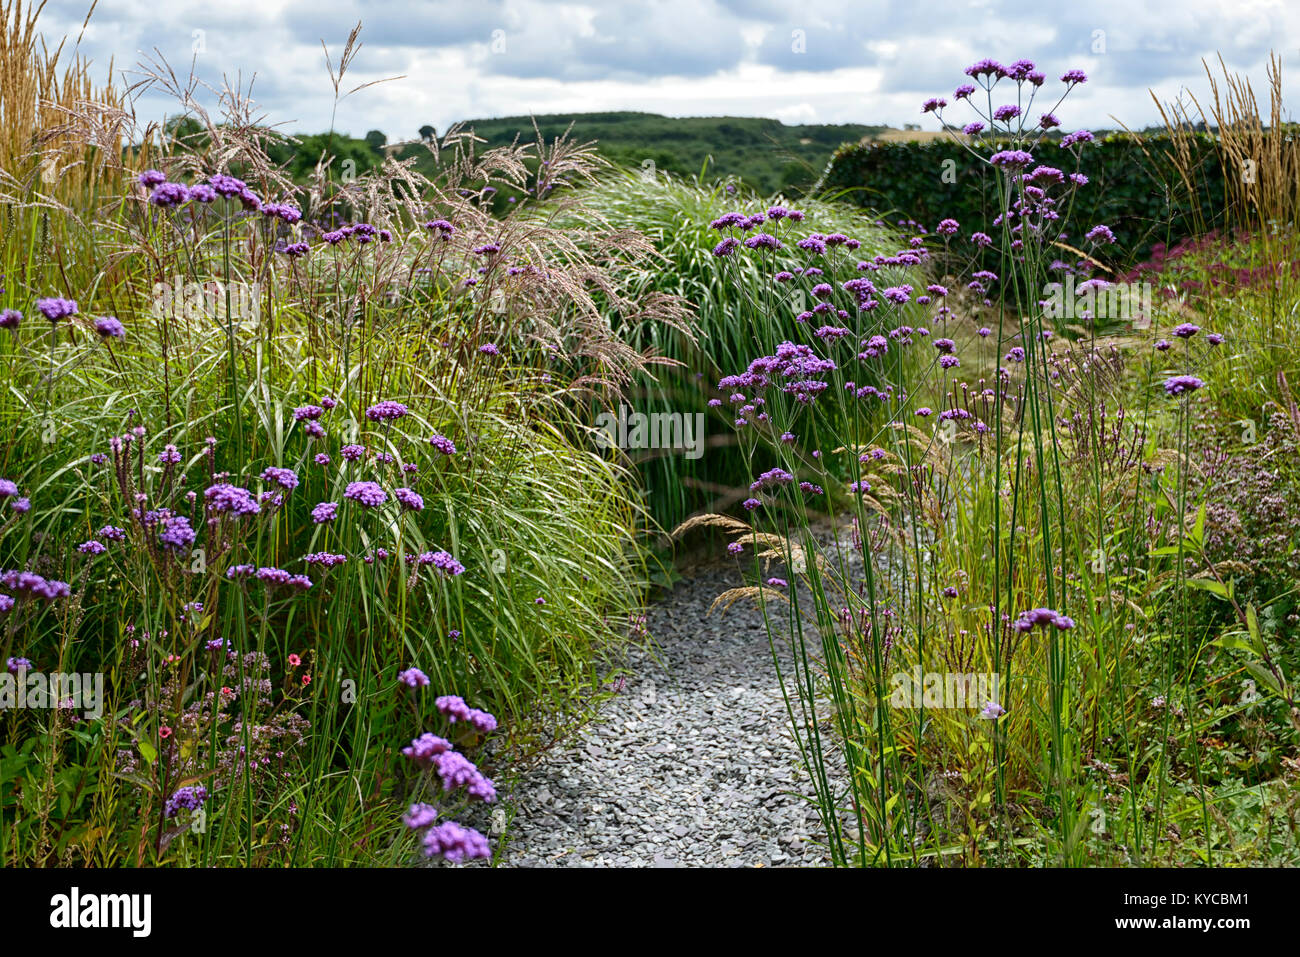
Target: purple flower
x,y
933,104
726,247
1074,76
1043,616
10,319
413,678
385,411
1099,234
489,349
455,843
446,565
55,309
992,711
457,771
352,453
307,413
224,497
1186,330
367,494
426,748
285,478
325,512
1005,114
151,178
109,328
169,195
443,444
91,547
1214,339
1178,384
8,488
188,798
420,816
15,665
409,499
1011,159
764,241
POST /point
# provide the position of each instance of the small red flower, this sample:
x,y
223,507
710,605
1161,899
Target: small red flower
x,y
164,732
306,680
295,661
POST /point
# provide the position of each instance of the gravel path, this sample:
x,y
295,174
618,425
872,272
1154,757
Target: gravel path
x,y
693,764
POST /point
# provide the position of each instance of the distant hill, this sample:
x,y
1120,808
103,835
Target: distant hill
x,y
766,154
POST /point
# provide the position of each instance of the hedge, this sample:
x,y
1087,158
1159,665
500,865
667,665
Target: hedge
x,y
1134,186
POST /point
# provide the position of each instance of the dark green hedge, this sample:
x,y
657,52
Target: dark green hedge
x,y
1137,192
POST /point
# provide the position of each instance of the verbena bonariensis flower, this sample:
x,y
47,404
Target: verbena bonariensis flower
x,y
169,195
15,665
189,798
55,308
726,247
307,413
278,576
457,771
1186,330
1178,384
455,843
409,499
419,816
10,319
92,547
1100,234
443,445
446,565
413,678
489,349
35,585
1011,159
285,478
352,453
386,411
325,512
325,559
1044,617
426,748
8,488
367,494
224,497
151,178
109,328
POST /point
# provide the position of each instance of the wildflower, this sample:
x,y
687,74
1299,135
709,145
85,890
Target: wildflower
x,y
55,309
325,512
489,349
109,328
419,816
112,533
1043,616
1177,385
992,711
409,499
1099,234
21,505
735,548
455,843
169,195
443,444
963,92
413,678
367,494
224,497
426,748
151,178
444,562
726,247
325,559
1011,159
1048,120
285,478
751,504
188,798
764,241
987,68
352,453
10,319
778,583
1186,330
933,104
1005,114
305,413
981,239
92,547
16,665
973,129
1074,76
385,411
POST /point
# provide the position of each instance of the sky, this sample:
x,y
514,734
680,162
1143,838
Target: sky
x,y
799,61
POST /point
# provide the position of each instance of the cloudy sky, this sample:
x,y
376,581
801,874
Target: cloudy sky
x,y
826,61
